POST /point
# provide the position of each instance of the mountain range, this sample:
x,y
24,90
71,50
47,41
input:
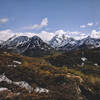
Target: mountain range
x,y
65,43
35,46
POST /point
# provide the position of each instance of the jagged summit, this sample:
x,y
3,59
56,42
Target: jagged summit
x,y
63,42
27,46
60,40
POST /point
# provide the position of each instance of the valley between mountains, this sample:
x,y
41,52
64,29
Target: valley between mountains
x,y
60,69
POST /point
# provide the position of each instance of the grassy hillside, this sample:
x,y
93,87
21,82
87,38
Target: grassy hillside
x,y
47,81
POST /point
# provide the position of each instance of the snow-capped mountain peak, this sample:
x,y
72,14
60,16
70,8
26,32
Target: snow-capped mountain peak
x,y
27,46
15,41
61,40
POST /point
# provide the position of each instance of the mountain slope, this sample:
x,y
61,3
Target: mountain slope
x,y
60,40
89,43
1,41
34,78
33,46
77,58
65,43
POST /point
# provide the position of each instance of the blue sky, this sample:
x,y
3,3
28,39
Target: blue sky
x,y
68,15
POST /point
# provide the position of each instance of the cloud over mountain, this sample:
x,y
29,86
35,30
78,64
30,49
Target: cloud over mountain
x,y
43,23
47,36
6,34
3,20
95,34
89,24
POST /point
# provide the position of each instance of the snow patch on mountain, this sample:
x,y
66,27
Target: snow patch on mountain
x,y
63,42
95,34
3,89
21,84
17,62
41,90
12,65
25,85
59,40
83,58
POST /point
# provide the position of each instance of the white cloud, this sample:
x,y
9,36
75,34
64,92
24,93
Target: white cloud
x,y
80,36
3,20
29,34
83,26
46,36
77,35
90,24
60,32
73,33
43,23
95,34
6,34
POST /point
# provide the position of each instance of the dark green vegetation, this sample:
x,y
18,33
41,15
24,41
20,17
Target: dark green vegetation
x,y
62,74
73,58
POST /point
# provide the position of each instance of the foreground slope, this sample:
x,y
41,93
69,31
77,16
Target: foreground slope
x,y
84,63
77,58
35,79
